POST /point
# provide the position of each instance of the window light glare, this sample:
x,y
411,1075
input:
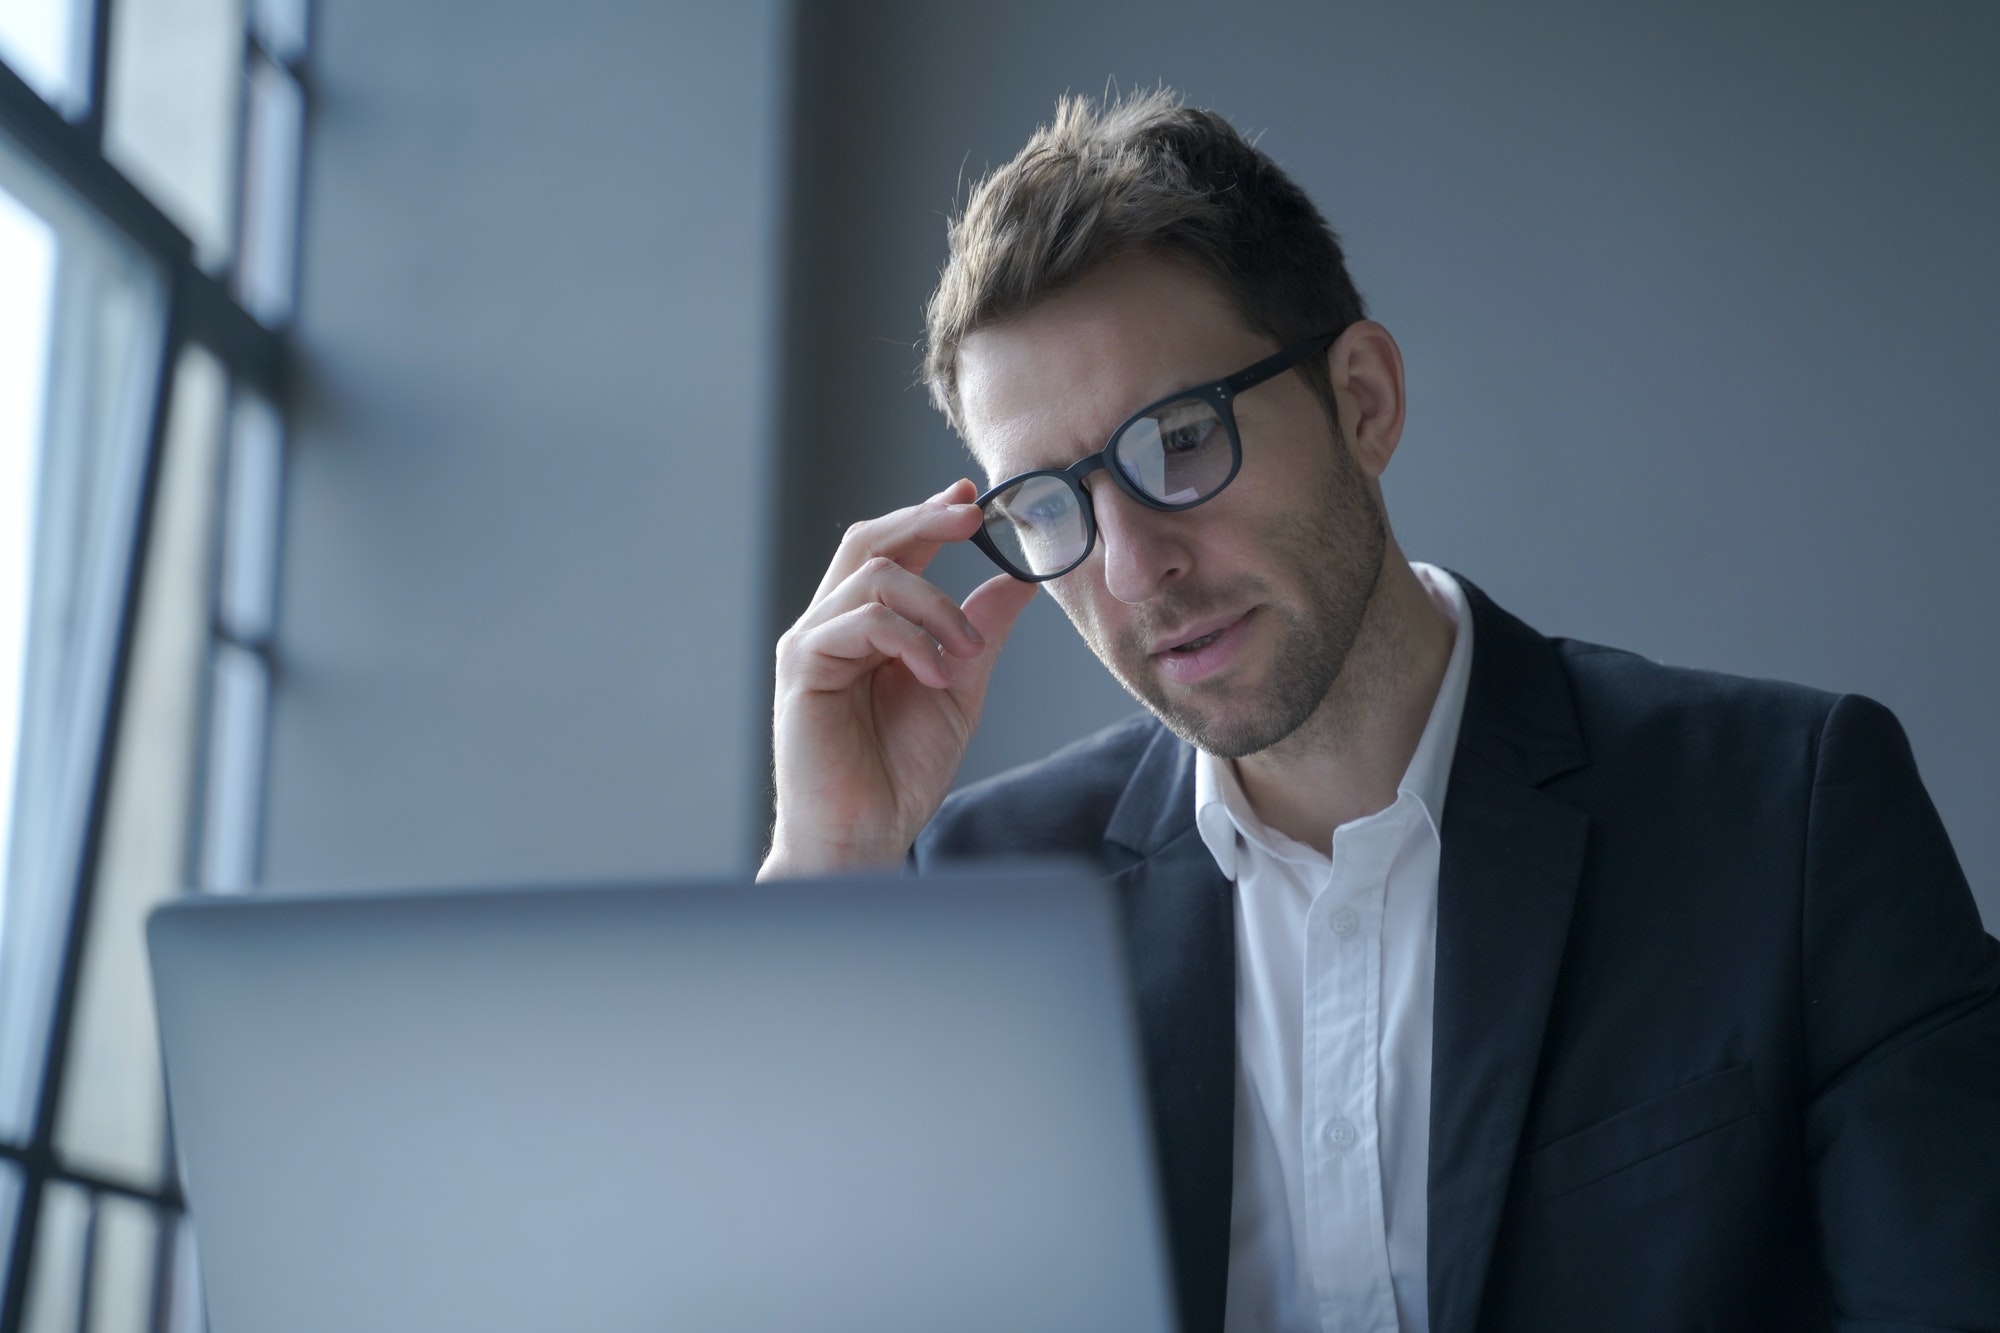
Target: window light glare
x,y
42,40
27,266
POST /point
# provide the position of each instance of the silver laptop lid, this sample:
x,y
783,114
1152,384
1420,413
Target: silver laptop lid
x,y
869,1104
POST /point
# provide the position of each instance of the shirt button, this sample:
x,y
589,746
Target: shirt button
x,y
1340,1135
1344,921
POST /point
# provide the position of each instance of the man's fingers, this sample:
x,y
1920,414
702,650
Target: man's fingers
x,y
833,655
874,606
894,615
994,607
882,580
996,604
910,537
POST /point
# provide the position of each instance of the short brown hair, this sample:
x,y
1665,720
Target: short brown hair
x,y
1142,173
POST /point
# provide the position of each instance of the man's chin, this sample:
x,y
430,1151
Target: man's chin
x,y
1228,733
1230,716
1211,715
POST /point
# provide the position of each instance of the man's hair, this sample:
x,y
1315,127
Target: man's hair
x,y
1138,174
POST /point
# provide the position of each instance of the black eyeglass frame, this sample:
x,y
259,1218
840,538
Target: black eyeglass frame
x,y
1219,394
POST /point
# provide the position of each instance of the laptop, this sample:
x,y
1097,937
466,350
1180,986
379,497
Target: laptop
x,y
877,1103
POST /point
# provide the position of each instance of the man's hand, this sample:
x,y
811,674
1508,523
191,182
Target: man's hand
x,y
879,687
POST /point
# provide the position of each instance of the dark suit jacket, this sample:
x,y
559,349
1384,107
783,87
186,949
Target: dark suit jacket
x,y
1717,1033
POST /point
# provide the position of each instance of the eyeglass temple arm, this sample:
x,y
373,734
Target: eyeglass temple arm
x,y
1277,363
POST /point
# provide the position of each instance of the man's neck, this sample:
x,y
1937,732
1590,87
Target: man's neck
x,y
1346,761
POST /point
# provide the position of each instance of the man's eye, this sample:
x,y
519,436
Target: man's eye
x,y
1188,437
1053,509
1046,507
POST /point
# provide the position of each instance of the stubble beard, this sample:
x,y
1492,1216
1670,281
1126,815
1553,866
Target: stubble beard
x,y
1334,549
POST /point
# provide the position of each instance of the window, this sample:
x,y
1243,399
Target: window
x,y
149,165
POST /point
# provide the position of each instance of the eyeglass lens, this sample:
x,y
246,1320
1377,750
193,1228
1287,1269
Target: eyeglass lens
x,y
1037,524
1176,455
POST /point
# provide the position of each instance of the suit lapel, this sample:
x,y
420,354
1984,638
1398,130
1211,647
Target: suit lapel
x,y
1180,925
1507,878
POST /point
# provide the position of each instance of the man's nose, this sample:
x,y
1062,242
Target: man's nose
x,y
1143,549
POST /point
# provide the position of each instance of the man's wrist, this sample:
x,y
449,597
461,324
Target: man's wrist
x,y
788,860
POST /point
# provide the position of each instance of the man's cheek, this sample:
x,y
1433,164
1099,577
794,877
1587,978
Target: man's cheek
x,y
1072,607
1095,635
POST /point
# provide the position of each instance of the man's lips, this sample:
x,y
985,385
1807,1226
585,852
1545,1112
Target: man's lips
x,y
1195,636
1204,649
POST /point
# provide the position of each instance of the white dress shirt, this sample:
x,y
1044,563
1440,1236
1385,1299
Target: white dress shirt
x,y
1334,963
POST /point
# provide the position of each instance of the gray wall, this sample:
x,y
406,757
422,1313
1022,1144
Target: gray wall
x,y
524,562
1697,300
1698,304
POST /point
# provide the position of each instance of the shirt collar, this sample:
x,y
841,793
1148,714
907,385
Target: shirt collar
x,y
1429,772
1222,812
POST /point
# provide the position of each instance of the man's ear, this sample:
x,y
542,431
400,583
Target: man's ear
x,y
1366,367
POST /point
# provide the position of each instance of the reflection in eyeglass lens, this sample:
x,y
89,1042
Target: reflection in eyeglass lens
x,y
1037,524
1177,454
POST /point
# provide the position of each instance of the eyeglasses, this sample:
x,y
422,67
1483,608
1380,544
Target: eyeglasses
x,y
1170,455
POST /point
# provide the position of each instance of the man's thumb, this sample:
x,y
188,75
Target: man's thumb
x,y
994,607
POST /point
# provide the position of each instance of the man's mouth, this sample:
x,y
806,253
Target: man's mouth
x,y
1196,645
1208,649
1200,634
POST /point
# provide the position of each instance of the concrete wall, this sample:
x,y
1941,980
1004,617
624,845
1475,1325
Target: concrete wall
x,y
525,560
1697,302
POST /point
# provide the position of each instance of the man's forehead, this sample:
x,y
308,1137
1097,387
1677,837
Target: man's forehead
x,y
1047,386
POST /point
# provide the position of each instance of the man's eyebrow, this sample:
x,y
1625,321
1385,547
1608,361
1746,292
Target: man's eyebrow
x,y
1042,458
1037,455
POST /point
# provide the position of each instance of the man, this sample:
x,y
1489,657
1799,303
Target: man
x,y
1485,980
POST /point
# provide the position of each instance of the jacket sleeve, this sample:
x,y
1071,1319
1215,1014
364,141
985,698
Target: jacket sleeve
x,y
1901,1016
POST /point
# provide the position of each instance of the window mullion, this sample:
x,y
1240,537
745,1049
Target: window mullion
x,y
20,1266
99,76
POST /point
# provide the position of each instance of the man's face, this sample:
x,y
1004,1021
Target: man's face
x,y
1230,621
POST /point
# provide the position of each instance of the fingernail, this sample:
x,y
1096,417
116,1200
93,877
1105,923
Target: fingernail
x,y
972,632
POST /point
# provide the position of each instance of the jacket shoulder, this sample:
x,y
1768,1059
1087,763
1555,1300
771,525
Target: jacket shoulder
x,y
1660,729
1611,682
1055,806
